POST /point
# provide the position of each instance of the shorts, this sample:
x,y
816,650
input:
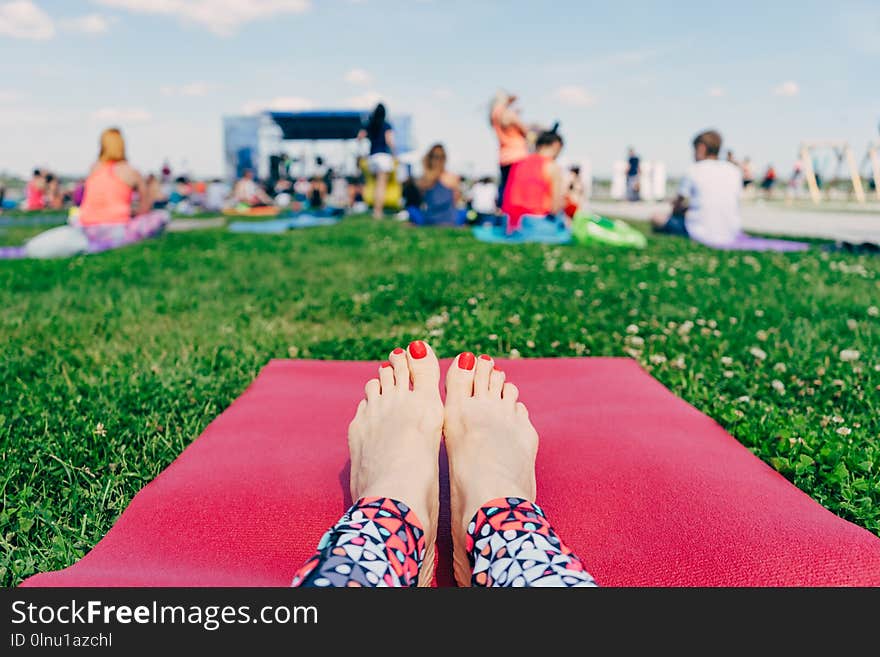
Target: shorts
x,y
675,225
381,163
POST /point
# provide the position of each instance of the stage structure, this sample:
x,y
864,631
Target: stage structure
x,y
251,142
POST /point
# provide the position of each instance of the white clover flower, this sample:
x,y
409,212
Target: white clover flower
x,y
873,311
778,386
726,361
514,353
657,359
837,419
745,399
728,374
780,367
758,353
632,329
843,431
847,355
762,336
852,324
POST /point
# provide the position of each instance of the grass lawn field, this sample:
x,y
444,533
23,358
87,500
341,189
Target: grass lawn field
x,y
113,363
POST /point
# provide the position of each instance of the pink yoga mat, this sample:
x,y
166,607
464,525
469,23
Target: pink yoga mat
x,y
647,490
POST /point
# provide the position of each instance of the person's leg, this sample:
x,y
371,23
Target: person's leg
x,y
146,225
673,225
379,194
387,537
416,216
500,536
502,183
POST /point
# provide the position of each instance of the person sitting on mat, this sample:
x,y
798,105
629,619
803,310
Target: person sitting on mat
x,y
535,185
381,161
484,200
54,196
317,193
248,192
440,192
104,220
35,192
707,206
501,537
106,210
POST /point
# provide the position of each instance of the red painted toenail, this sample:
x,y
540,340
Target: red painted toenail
x,y
485,357
496,368
385,364
398,351
466,361
418,349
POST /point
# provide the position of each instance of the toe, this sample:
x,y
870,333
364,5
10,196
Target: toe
x,y
510,394
482,373
372,389
424,368
496,382
522,410
386,377
398,361
460,377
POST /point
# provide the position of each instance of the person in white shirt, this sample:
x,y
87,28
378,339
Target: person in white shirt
x,y
707,206
483,196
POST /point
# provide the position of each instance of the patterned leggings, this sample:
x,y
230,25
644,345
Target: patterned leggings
x,y
380,542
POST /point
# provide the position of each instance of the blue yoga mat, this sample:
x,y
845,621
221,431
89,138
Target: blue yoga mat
x,y
538,230
274,226
25,220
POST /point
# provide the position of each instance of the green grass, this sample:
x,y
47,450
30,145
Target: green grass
x,y
113,363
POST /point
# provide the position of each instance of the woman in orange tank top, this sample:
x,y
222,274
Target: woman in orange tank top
x,y
513,146
110,186
104,220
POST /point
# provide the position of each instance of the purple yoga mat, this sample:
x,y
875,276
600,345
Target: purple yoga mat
x,y
744,242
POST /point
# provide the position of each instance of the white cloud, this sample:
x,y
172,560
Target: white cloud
x,y
190,90
358,76
788,88
88,24
22,19
222,17
122,115
574,95
717,92
282,104
366,100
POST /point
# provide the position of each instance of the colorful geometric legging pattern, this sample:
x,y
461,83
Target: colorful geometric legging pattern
x,y
380,542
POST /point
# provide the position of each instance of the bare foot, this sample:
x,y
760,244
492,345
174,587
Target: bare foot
x,y
491,446
394,439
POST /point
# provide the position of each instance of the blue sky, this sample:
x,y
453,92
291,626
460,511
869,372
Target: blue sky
x,y
767,74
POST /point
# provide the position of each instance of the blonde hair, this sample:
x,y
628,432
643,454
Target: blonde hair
x,y
112,146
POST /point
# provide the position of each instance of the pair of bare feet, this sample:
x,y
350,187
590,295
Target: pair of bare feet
x,y
395,436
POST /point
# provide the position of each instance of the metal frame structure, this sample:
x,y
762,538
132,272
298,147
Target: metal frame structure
x,y
842,152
